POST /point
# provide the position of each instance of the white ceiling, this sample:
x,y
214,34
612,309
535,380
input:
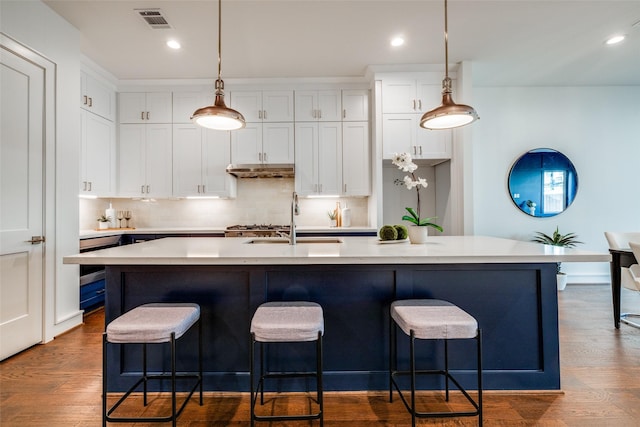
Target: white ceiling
x,y
510,42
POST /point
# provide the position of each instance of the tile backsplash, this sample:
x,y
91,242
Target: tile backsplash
x,y
259,201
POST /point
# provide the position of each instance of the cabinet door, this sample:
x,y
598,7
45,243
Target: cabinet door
x,y
398,134
306,105
355,105
131,157
247,103
187,159
277,106
356,159
329,105
330,158
97,97
186,103
433,144
216,156
306,164
97,155
277,143
159,170
429,96
246,144
158,108
399,96
132,107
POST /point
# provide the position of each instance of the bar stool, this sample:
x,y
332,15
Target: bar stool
x,y
286,322
150,324
431,319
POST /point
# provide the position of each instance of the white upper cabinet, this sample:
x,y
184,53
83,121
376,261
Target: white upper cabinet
x,y
410,96
356,159
314,105
262,143
186,103
145,160
403,104
140,107
200,158
97,97
318,153
97,155
263,106
355,105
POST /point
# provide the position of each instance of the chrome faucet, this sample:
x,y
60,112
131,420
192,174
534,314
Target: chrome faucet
x,y
295,210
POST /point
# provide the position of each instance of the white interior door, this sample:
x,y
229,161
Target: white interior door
x,y
21,207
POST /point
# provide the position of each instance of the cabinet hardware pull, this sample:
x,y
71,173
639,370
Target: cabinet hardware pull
x,y
320,188
198,188
319,114
142,115
414,104
148,190
421,150
84,185
260,114
203,189
420,104
142,189
89,185
264,114
345,188
264,156
35,240
147,115
260,156
90,102
85,99
344,114
313,114
100,292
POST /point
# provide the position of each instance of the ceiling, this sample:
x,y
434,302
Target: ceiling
x,y
509,42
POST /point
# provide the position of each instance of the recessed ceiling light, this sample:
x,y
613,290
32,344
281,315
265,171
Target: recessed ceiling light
x,y
397,41
615,39
173,44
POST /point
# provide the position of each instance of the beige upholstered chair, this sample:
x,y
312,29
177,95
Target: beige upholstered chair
x,y
634,270
620,240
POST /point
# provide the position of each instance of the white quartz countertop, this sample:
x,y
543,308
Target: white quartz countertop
x,y
351,251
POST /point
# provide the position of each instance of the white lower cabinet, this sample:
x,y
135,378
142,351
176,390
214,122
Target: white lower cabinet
x,y
200,159
356,161
97,155
402,133
318,153
258,143
145,165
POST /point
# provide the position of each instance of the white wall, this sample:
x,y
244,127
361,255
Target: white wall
x,y
598,128
36,26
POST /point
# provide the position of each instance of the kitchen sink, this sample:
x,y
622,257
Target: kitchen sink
x,y
299,240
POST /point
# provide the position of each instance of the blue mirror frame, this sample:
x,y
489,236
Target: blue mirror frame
x,y
543,182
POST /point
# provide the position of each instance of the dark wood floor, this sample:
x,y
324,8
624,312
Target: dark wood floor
x,y
58,384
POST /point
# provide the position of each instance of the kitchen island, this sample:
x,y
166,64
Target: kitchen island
x,y
508,286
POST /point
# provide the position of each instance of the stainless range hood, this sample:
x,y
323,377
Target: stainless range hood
x,y
282,170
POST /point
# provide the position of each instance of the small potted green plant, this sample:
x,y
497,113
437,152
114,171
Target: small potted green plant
x,y
103,222
333,220
568,240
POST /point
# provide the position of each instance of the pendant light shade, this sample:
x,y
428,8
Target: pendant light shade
x,y
218,116
449,114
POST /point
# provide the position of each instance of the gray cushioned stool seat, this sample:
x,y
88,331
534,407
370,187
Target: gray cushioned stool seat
x,y
433,319
153,323
285,321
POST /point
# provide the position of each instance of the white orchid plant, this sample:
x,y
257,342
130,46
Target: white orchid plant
x,y
404,162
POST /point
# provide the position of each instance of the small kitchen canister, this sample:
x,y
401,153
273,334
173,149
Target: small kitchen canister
x,y
346,216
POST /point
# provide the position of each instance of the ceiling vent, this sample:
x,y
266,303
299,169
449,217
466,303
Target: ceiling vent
x,y
154,18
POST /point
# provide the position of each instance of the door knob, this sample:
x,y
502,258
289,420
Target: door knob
x,y
36,239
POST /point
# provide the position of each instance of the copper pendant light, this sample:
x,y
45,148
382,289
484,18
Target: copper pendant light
x,y
449,114
218,116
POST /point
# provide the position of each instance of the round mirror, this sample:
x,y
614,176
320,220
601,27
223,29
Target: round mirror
x,y
543,182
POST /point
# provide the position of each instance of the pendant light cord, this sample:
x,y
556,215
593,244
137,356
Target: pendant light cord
x,y
219,84
446,43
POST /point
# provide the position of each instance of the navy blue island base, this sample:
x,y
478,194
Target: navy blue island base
x,y
515,304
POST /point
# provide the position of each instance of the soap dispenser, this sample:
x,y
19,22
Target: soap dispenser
x,y
346,216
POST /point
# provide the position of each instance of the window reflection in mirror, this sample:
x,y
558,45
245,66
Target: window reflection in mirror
x,y
543,182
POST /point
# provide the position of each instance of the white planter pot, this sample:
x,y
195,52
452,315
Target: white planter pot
x,y
418,235
562,281
103,225
333,223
